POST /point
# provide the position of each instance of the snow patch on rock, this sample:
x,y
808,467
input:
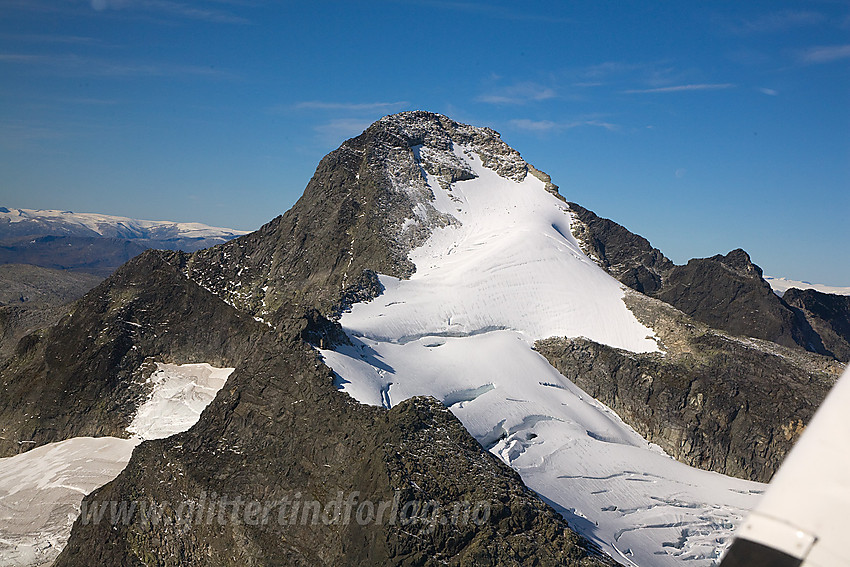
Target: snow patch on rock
x,y
180,393
41,490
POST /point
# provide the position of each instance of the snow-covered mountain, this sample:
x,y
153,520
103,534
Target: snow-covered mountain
x,y
94,243
504,273
427,258
28,222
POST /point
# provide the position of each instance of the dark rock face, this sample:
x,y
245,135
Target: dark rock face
x,y
728,293
828,315
280,430
711,400
628,257
725,292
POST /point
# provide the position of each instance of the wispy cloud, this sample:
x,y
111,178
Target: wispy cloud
x,y
545,126
769,92
487,9
170,9
46,38
351,106
520,93
682,88
777,22
825,54
67,65
608,68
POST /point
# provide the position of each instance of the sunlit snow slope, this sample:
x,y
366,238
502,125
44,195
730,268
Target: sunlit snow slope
x,y
41,490
462,329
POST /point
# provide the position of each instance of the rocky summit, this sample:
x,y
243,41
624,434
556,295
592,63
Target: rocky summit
x,y
434,333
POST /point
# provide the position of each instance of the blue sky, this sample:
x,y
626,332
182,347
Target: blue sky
x,y
701,127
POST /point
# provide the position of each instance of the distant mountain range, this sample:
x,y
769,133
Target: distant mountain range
x,y
94,243
781,285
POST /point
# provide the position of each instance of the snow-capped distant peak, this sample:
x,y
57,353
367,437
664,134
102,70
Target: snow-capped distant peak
x,y
781,285
94,224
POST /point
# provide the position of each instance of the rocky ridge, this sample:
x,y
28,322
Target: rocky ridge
x,y
727,292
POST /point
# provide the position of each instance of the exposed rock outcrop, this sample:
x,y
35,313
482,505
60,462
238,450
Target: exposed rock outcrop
x,y
828,315
628,257
711,400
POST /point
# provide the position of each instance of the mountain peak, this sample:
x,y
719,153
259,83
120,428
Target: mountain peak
x,y
433,137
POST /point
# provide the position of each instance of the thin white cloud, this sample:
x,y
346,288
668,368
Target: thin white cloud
x,y
546,126
46,38
825,54
681,88
170,9
778,22
520,93
351,106
768,92
77,66
490,10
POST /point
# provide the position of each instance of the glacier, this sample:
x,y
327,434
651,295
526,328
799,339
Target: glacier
x,y
462,329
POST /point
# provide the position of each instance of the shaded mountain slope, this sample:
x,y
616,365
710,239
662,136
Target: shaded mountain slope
x,y
726,292
30,298
828,315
